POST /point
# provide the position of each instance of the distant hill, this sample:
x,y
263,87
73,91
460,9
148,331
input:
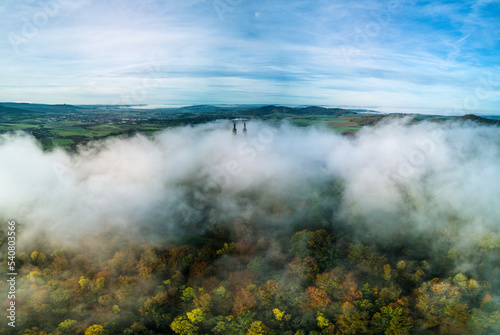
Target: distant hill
x,y
200,108
478,119
312,110
209,109
41,108
494,117
364,111
12,110
267,110
4,109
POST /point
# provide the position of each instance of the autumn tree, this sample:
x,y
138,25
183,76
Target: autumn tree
x,y
258,328
440,305
188,325
67,327
391,321
317,299
243,301
96,330
352,321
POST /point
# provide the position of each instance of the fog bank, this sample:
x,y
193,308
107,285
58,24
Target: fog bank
x,y
393,177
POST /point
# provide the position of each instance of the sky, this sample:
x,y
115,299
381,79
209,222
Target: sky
x,y
396,55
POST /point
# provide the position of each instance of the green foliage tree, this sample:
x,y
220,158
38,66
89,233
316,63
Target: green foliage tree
x,y
67,327
441,306
484,322
392,321
233,325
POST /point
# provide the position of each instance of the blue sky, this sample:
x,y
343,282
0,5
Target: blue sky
x,y
426,56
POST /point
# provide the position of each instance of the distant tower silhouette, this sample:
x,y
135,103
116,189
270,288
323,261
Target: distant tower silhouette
x,y
234,128
244,127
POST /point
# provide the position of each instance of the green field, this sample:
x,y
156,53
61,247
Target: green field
x,y
342,124
62,142
14,127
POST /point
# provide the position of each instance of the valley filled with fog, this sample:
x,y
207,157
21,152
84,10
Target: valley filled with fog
x,y
283,229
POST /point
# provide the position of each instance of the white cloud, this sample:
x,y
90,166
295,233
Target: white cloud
x,y
293,44
395,177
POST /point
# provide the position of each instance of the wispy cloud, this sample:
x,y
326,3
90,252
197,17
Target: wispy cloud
x,y
394,54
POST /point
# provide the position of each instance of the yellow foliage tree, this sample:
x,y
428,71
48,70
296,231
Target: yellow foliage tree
x,y
183,326
96,330
278,314
258,328
188,325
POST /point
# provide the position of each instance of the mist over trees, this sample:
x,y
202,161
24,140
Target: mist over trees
x,y
283,231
